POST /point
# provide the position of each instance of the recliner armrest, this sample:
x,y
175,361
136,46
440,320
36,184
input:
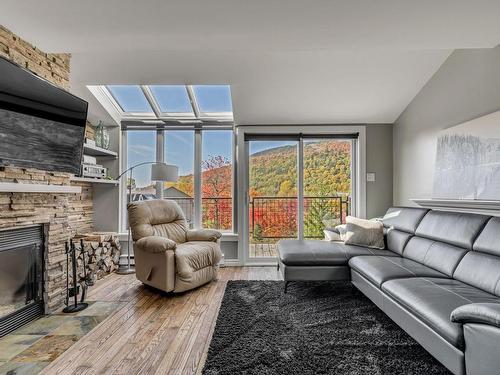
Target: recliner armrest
x,y
155,244
203,235
483,313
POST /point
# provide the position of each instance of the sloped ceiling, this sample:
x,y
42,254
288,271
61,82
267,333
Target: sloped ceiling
x,y
287,61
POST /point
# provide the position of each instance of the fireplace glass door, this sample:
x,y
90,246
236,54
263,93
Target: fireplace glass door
x,y
21,277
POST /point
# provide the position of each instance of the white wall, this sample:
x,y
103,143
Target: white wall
x,y
466,86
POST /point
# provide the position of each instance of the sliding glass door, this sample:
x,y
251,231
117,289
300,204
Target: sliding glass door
x,y
272,190
327,184
296,186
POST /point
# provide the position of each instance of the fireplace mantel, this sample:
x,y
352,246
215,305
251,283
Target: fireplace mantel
x,y
463,205
13,187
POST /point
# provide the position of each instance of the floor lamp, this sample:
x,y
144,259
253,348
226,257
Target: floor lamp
x,y
159,172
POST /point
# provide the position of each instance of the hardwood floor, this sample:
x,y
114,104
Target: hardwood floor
x,y
263,250
151,333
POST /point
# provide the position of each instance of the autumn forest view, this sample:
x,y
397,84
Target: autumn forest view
x,y
273,190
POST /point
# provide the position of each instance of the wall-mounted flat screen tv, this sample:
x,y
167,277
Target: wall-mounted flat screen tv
x,y
41,125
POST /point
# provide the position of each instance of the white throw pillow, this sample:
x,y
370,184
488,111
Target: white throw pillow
x,y
342,231
367,233
335,234
331,235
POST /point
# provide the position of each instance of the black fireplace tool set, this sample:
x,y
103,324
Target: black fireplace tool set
x,y
74,290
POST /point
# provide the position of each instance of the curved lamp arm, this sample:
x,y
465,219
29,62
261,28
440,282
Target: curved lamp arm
x,y
134,166
162,172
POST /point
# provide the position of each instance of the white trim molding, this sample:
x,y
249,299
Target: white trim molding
x,y
14,187
461,205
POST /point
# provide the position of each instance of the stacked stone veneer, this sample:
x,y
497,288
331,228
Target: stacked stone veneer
x,y
63,215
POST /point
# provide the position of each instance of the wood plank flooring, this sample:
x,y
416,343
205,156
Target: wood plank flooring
x,y
152,333
263,250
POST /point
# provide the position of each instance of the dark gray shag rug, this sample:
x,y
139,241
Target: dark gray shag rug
x,y
316,328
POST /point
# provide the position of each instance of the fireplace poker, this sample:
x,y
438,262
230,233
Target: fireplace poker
x,y
78,306
85,281
66,246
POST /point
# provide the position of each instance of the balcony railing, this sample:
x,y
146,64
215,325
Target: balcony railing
x,y
271,217
276,217
217,212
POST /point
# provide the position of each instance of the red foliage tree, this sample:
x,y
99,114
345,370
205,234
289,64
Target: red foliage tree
x,y
216,192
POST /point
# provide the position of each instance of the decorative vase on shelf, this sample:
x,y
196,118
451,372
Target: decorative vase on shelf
x,y
102,136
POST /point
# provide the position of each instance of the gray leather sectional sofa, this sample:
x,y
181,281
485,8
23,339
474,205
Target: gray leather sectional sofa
x,y
438,279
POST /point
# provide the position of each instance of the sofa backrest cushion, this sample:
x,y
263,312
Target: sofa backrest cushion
x,y
480,270
400,224
481,267
396,240
454,228
440,256
489,240
405,219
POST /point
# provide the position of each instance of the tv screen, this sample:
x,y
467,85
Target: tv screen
x,y
41,125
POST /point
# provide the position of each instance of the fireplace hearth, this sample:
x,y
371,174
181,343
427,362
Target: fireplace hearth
x,y
21,276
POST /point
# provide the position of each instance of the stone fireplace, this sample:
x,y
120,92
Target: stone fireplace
x,y
63,215
22,253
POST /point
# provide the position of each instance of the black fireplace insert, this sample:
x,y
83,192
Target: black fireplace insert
x,y
21,276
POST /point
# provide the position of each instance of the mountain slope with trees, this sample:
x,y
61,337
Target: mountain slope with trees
x,y
327,169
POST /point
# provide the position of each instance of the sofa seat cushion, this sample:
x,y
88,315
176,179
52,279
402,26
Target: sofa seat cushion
x,y
433,299
194,256
322,253
381,269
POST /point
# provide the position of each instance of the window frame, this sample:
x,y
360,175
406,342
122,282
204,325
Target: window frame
x,y
160,137
358,166
119,107
149,92
234,215
111,104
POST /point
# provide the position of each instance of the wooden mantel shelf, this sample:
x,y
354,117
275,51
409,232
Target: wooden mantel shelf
x,y
13,187
465,205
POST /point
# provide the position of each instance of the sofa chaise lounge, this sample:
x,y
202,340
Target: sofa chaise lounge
x,y
438,279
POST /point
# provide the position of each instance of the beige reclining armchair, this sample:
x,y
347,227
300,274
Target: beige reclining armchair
x,y
169,256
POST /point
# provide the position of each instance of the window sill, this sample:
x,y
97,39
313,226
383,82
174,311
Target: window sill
x,y
229,237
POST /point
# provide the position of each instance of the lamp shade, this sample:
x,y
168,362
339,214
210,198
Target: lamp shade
x,y
164,172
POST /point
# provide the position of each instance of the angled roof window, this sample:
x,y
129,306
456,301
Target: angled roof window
x,y
213,98
130,98
172,104
172,98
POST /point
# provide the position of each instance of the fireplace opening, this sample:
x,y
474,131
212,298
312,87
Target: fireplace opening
x,y
21,276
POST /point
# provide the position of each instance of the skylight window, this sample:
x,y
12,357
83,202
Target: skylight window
x,y
130,98
213,98
177,104
172,98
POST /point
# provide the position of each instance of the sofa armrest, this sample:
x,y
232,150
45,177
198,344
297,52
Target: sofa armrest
x,y
203,235
483,313
155,244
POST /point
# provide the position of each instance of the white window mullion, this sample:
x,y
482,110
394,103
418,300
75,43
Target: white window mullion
x,y
197,179
192,99
151,100
160,158
300,189
123,220
234,190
